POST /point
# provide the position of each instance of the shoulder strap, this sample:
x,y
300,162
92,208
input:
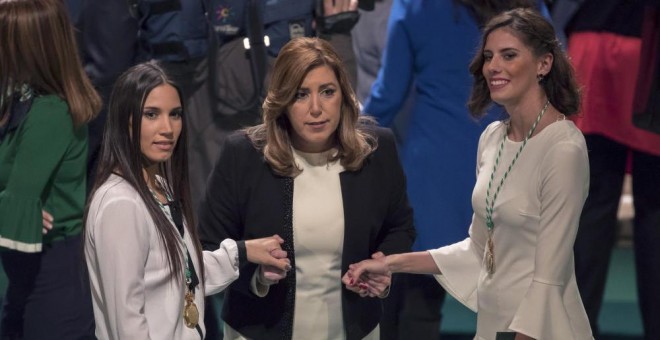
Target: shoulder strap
x,y
257,49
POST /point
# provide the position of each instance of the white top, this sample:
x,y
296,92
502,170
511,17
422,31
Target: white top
x,y
536,215
133,295
318,236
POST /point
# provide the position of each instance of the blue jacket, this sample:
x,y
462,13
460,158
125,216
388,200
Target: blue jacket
x,y
430,44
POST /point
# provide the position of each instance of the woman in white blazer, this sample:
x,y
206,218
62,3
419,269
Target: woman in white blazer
x,y
148,272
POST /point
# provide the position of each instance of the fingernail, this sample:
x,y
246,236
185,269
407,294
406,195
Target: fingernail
x,y
287,267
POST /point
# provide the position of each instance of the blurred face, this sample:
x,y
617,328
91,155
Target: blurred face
x,y
510,67
161,124
316,111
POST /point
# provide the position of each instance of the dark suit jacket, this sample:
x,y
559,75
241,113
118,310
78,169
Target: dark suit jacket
x,y
245,199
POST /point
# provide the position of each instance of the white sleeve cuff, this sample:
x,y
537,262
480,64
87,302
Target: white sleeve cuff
x,y
257,285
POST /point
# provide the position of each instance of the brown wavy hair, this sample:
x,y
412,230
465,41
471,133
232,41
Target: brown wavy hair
x,y
354,138
39,49
539,36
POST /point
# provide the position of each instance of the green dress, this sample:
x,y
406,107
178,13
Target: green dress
x,y
43,160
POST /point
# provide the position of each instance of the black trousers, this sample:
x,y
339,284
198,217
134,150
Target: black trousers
x,y
48,296
597,232
413,308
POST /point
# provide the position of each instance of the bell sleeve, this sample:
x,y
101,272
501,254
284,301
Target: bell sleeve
x,y
460,267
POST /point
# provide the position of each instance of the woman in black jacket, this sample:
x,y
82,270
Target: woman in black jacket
x,y
325,179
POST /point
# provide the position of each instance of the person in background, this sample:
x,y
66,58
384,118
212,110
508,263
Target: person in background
x,y
604,45
646,106
328,181
147,270
440,138
107,41
46,101
369,35
516,267
224,87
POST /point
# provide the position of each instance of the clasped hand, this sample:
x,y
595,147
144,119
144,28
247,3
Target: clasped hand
x,y
267,252
369,277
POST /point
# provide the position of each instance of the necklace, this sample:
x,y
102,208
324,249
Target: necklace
x,y
190,310
490,203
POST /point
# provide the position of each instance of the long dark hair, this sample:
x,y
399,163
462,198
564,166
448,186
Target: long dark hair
x,y
539,36
121,155
38,49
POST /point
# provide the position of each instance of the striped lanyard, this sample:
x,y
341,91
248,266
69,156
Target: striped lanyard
x,y
490,203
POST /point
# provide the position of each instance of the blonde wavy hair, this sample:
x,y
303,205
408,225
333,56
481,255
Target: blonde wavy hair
x,y
354,138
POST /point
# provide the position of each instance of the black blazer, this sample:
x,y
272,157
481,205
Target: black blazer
x,y
245,199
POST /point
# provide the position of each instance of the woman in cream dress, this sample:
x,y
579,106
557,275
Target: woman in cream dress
x,y
516,267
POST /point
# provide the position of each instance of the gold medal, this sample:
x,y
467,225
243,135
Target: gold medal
x,y
490,255
190,311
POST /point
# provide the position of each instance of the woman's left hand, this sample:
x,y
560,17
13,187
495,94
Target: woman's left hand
x,y
269,275
267,251
46,221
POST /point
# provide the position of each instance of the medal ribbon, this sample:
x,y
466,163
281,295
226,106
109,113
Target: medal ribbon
x,y
190,311
490,203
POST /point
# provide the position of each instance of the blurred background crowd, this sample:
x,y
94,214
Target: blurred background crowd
x,y
408,61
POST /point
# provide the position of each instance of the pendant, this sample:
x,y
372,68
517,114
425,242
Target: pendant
x,y
490,255
190,311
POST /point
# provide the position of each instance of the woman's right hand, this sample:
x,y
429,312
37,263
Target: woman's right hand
x,y
369,277
268,252
269,275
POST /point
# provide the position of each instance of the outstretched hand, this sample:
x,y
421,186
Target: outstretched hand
x,y
268,252
369,277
